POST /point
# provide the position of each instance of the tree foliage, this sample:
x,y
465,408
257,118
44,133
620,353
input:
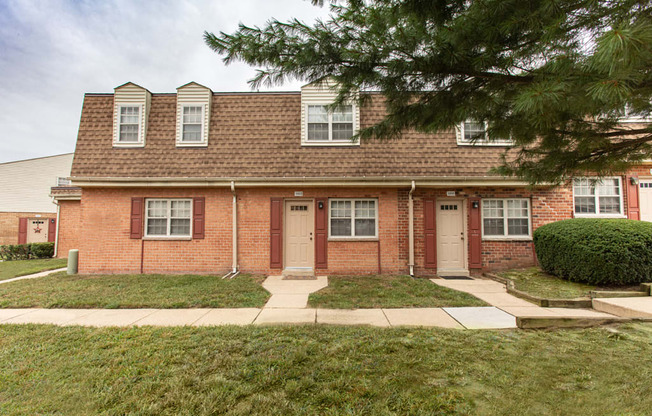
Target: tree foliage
x,y
554,76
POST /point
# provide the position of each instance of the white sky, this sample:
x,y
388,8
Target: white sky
x,y
52,52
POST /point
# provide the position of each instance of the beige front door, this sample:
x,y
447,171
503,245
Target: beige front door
x,y
450,236
37,230
299,228
645,195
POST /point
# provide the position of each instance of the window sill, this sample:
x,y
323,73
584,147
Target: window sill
x,y
128,145
600,216
167,238
485,144
188,144
527,238
353,239
343,143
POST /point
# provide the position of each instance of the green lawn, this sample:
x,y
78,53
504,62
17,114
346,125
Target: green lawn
x,y
15,268
538,283
307,370
134,291
350,292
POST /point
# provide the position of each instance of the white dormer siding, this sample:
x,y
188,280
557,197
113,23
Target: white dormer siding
x,y
313,98
131,104
193,115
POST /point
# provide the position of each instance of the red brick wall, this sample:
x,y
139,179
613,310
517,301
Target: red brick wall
x,y
9,224
69,227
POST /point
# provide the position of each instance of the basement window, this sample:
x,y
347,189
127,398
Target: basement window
x,y
353,218
168,218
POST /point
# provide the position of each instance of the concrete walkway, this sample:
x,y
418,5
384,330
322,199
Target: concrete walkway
x,y
33,276
638,307
495,293
291,293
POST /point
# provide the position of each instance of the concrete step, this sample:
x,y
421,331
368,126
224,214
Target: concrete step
x,y
299,272
633,307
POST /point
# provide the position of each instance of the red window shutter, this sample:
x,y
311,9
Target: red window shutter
x,y
52,229
321,233
475,234
137,208
430,228
198,217
633,205
22,230
276,233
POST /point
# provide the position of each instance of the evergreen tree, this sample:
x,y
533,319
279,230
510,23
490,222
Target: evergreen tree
x,y
554,76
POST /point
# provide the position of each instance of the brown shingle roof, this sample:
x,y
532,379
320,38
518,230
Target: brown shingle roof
x,y
258,135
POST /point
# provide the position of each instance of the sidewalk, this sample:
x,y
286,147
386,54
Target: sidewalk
x,y
33,276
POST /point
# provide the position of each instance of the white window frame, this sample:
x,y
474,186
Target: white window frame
x,y
204,139
167,236
506,236
627,118
597,213
461,141
63,181
353,236
138,143
330,141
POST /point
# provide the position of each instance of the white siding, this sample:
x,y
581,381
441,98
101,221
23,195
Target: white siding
x,y
194,94
131,95
323,94
26,183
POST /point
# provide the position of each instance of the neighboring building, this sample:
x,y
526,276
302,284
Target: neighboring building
x,y
270,183
27,212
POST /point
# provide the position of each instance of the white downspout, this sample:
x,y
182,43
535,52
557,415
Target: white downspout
x,y
56,230
235,230
411,229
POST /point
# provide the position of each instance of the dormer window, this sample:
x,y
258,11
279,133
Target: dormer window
x,y
474,133
193,115
131,105
129,124
333,126
323,125
193,121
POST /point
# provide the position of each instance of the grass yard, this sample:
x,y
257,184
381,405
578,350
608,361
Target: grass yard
x,y
15,268
351,292
538,283
307,370
134,291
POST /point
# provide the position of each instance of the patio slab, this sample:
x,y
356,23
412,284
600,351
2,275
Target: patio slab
x,y
112,317
288,300
430,317
233,316
482,317
173,317
373,317
49,316
275,316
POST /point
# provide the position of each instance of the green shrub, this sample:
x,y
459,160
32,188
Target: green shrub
x,y
597,251
26,251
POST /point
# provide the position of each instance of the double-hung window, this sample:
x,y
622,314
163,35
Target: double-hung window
x,y
168,217
475,133
325,126
353,218
129,124
598,197
192,124
506,218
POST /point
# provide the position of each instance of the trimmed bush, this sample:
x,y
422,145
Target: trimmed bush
x,y
27,251
596,251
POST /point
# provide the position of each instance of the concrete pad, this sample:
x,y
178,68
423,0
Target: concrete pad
x,y
529,311
373,317
636,307
285,316
49,316
173,317
482,317
579,313
10,313
284,300
112,317
431,317
276,285
475,286
502,299
226,316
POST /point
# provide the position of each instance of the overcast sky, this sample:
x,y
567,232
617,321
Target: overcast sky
x,y
52,52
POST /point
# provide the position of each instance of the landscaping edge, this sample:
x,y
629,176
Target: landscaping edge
x,y
577,303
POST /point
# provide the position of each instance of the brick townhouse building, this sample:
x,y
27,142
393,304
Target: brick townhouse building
x,y
269,182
